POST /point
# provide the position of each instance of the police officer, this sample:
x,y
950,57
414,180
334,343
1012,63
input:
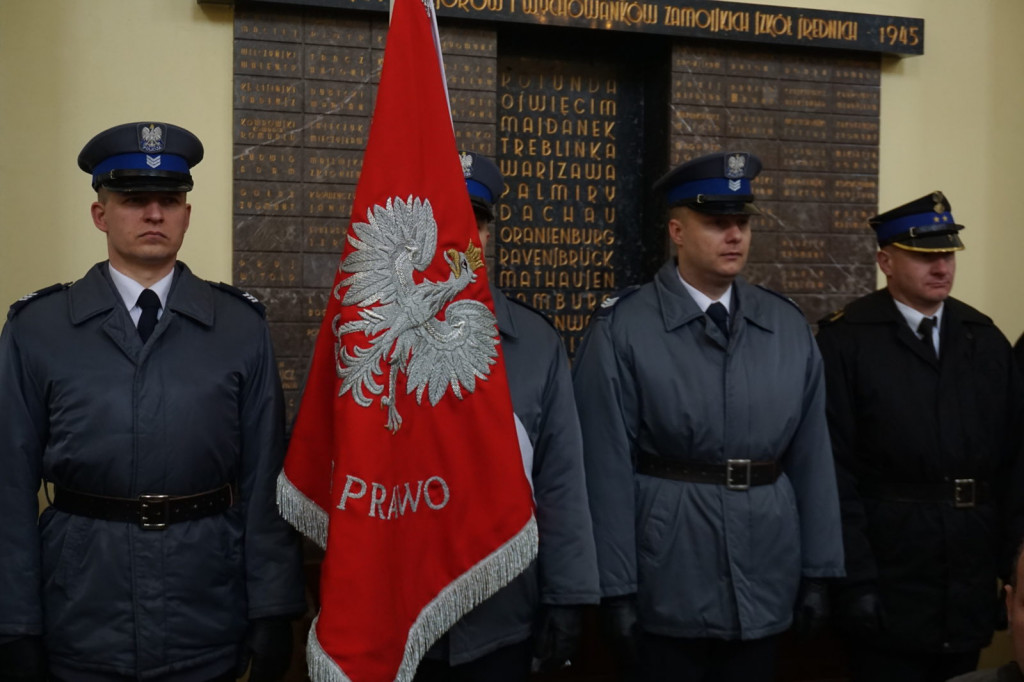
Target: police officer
x,y
535,621
712,490
148,400
924,410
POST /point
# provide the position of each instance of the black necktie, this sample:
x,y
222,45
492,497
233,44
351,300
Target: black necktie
x,y
925,330
720,316
150,304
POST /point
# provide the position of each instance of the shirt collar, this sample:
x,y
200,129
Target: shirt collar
x,y
703,300
129,289
914,317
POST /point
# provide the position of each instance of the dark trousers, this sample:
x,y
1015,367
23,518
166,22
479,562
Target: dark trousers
x,y
870,664
676,659
508,664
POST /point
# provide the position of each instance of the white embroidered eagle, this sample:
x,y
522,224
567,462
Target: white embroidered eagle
x,y
401,318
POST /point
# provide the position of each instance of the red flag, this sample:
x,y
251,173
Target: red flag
x,y
404,463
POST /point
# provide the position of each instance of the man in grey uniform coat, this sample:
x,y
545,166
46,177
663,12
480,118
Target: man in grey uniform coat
x,y
536,618
707,454
159,428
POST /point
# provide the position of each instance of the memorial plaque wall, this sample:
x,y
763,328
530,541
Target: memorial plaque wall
x,y
580,135
814,122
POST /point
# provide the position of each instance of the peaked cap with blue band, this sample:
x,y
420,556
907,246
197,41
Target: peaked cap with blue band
x,y
924,224
484,182
717,183
142,157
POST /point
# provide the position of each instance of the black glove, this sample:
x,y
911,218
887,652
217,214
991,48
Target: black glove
x,y
557,638
860,612
23,660
268,643
619,623
812,607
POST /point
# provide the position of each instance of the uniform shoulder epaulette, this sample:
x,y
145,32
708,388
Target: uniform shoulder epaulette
x,y
610,301
539,313
831,317
785,298
35,296
244,295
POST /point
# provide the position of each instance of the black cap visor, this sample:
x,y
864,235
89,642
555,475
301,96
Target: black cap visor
x,y
941,242
721,205
482,208
144,181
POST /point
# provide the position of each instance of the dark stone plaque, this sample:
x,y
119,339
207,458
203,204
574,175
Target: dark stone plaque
x,y
336,30
266,269
276,26
809,127
333,166
808,96
274,94
335,132
851,219
856,160
855,130
324,235
267,59
267,198
279,164
757,93
262,233
472,106
319,269
328,201
470,73
266,128
477,136
698,121
851,99
348,98
805,187
804,156
812,279
325,62
856,189
698,89
792,217
744,123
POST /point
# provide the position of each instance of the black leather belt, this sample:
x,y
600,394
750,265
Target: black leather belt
x,y
152,512
963,493
734,474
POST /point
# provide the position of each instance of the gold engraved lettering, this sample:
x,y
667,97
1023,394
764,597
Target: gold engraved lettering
x,y
827,29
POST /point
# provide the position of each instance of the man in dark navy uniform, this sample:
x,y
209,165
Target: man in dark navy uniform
x,y
148,400
702,403
924,410
535,621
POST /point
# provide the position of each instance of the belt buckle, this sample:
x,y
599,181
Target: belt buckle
x,y
964,493
153,512
732,466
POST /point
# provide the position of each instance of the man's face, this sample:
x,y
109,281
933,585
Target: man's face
x,y
144,229
712,248
1015,613
920,279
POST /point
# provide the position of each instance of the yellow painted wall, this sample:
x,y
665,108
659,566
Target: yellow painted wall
x,y
951,120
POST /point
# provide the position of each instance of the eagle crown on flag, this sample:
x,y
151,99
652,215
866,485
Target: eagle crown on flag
x,y
405,331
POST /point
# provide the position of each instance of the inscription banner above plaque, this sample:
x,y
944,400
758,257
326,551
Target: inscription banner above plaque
x,y
737,21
